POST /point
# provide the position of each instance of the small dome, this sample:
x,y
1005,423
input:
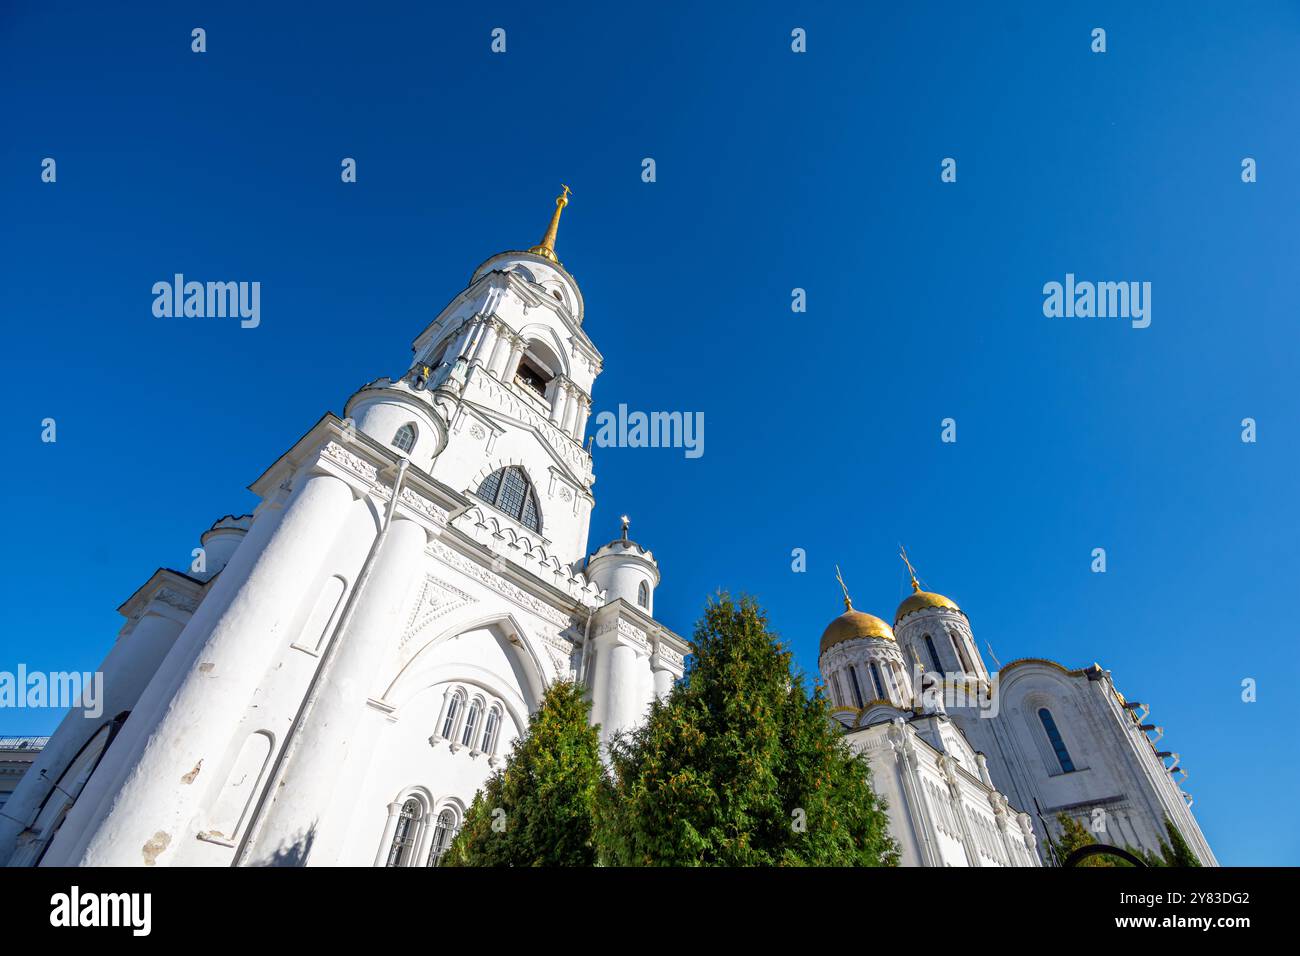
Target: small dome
x,y
854,624
919,600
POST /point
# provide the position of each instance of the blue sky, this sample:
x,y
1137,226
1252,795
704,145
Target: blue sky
x,y
775,171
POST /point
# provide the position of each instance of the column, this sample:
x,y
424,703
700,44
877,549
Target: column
x,y
390,830
500,349
486,342
558,393
127,669
584,409
310,770
570,409
512,359
152,810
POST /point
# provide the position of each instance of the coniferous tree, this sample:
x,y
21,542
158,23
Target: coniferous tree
x,y
1177,853
1075,835
538,810
739,766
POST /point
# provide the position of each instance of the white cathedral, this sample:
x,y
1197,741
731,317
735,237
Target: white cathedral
x,y
339,672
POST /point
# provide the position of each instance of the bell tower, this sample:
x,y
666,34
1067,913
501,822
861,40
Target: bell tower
x,y
496,400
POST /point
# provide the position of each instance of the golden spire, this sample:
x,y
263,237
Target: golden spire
x,y
911,571
848,601
546,248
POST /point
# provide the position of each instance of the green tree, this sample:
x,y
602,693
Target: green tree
x,y
1075,835
1177,853
539,809
740,766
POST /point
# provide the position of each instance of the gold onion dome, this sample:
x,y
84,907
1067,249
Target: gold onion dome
x,y
852,624
919,600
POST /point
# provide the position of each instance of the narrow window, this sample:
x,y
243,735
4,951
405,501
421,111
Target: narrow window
x,y
960,651
404,836
934,654
643,595
405,437
471,723
840,699
453,711
490,729
443,833
881,693
1054,735
857,691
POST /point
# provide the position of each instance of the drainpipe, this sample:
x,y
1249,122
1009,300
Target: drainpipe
x,y
327,658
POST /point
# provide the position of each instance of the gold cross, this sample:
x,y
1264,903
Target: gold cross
x,y
911,571
848,601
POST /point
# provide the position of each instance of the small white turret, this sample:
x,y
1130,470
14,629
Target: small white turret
x,y
624,569
219,543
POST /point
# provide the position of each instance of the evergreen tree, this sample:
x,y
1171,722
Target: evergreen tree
x,y
739,766
1177,853
539,809
1075,835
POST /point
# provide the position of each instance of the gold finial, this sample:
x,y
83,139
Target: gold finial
x,y
919,666
848,601
546,248
911,571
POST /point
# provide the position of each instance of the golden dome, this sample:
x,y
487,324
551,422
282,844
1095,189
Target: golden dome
x,y
854,624
919,600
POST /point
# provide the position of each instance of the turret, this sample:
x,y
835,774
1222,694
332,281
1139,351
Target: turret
x,y
624,569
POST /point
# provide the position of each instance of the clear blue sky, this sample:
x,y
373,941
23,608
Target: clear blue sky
x,y
775,170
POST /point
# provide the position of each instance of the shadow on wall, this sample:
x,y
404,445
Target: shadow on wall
x,y
295,854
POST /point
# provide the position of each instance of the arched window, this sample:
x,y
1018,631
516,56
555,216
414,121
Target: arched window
x,y
857,691
444,831
840,699
399,853
509,490
881,692
643,595
454,704
1054,736
405,437
471,722
934,654
490,730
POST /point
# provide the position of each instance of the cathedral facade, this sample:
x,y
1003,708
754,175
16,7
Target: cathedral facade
x,y
977,765
340,671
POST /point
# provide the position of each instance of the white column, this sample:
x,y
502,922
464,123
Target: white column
x,y
309,774
584,409
390,830
152,811
570,409
500,349
107,779
133,661
512,359
486,342
622,700
558,393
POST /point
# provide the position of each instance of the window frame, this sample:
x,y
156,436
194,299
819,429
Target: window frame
x,y
413,430
500,477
